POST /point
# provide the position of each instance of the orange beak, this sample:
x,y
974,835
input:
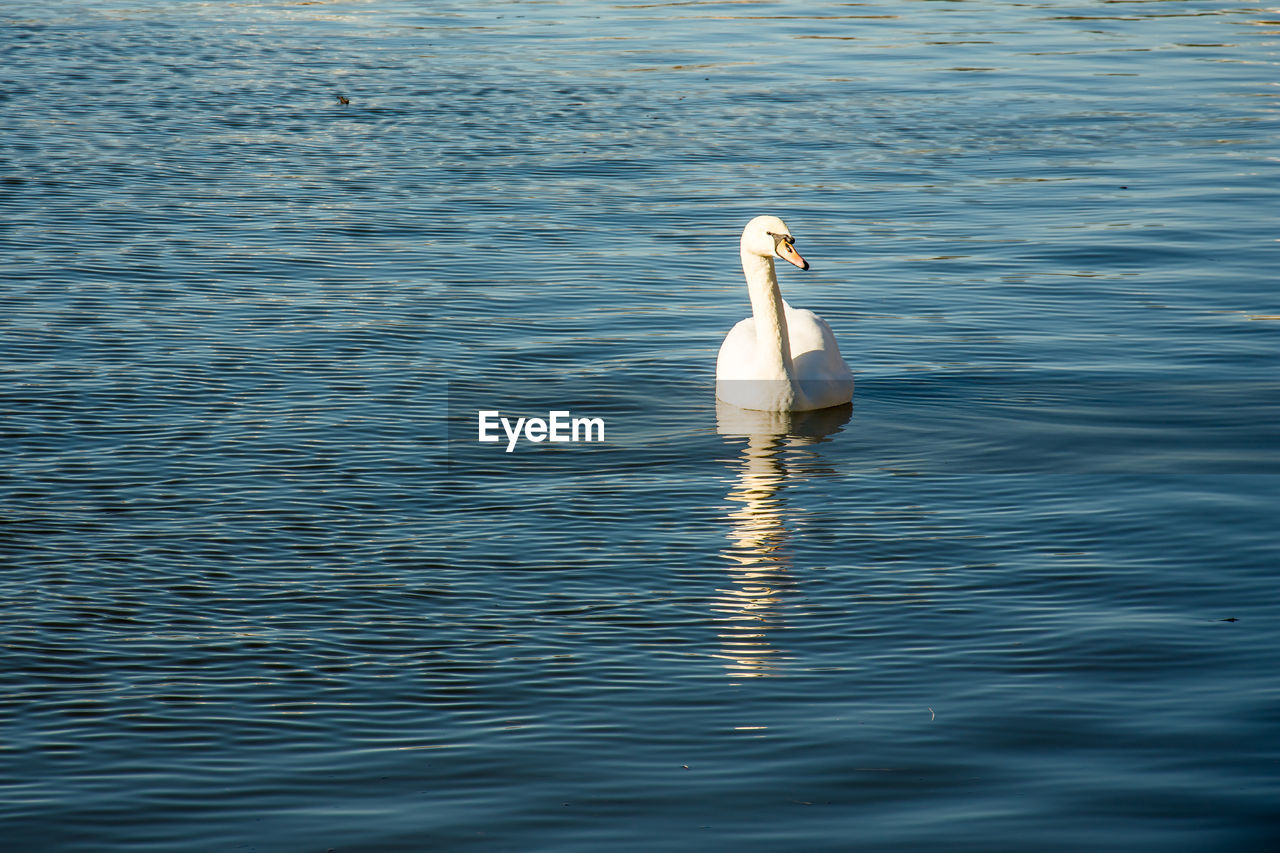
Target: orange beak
x,y
788,252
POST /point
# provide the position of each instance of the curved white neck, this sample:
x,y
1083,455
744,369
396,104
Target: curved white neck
x,y
773,348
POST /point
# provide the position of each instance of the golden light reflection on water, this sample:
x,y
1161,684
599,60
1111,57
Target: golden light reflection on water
x,y
760,569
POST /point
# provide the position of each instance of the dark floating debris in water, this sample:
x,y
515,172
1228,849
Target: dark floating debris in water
x,y
1229,619
343,100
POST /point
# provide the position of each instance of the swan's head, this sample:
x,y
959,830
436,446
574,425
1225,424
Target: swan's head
x,y
769,237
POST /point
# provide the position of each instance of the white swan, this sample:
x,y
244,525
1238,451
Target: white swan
x,y
780,359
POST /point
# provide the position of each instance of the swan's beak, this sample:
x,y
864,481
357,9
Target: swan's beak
x,y
788,252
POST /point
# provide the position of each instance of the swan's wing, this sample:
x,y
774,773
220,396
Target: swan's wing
x,y
737,353
809,333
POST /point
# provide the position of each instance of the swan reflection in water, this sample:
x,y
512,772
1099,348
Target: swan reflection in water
x,y
778,451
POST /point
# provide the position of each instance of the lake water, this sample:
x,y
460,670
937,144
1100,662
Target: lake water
x,y
265,590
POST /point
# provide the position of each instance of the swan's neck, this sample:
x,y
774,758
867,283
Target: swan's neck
x,y
773,349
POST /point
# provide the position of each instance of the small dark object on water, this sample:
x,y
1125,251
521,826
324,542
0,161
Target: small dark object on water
x,y
1124,188
343,100
1229,619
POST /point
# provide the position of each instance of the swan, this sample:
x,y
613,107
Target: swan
x,y
780,359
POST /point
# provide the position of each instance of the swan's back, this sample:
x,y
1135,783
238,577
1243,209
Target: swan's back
x,y
822,376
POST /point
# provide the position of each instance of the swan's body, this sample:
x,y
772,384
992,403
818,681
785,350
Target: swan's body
x,y
780,359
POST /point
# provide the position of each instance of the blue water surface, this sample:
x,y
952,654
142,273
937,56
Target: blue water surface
x,y
263,588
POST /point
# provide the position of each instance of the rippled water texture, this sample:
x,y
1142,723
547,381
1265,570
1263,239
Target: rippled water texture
x,y
263,589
